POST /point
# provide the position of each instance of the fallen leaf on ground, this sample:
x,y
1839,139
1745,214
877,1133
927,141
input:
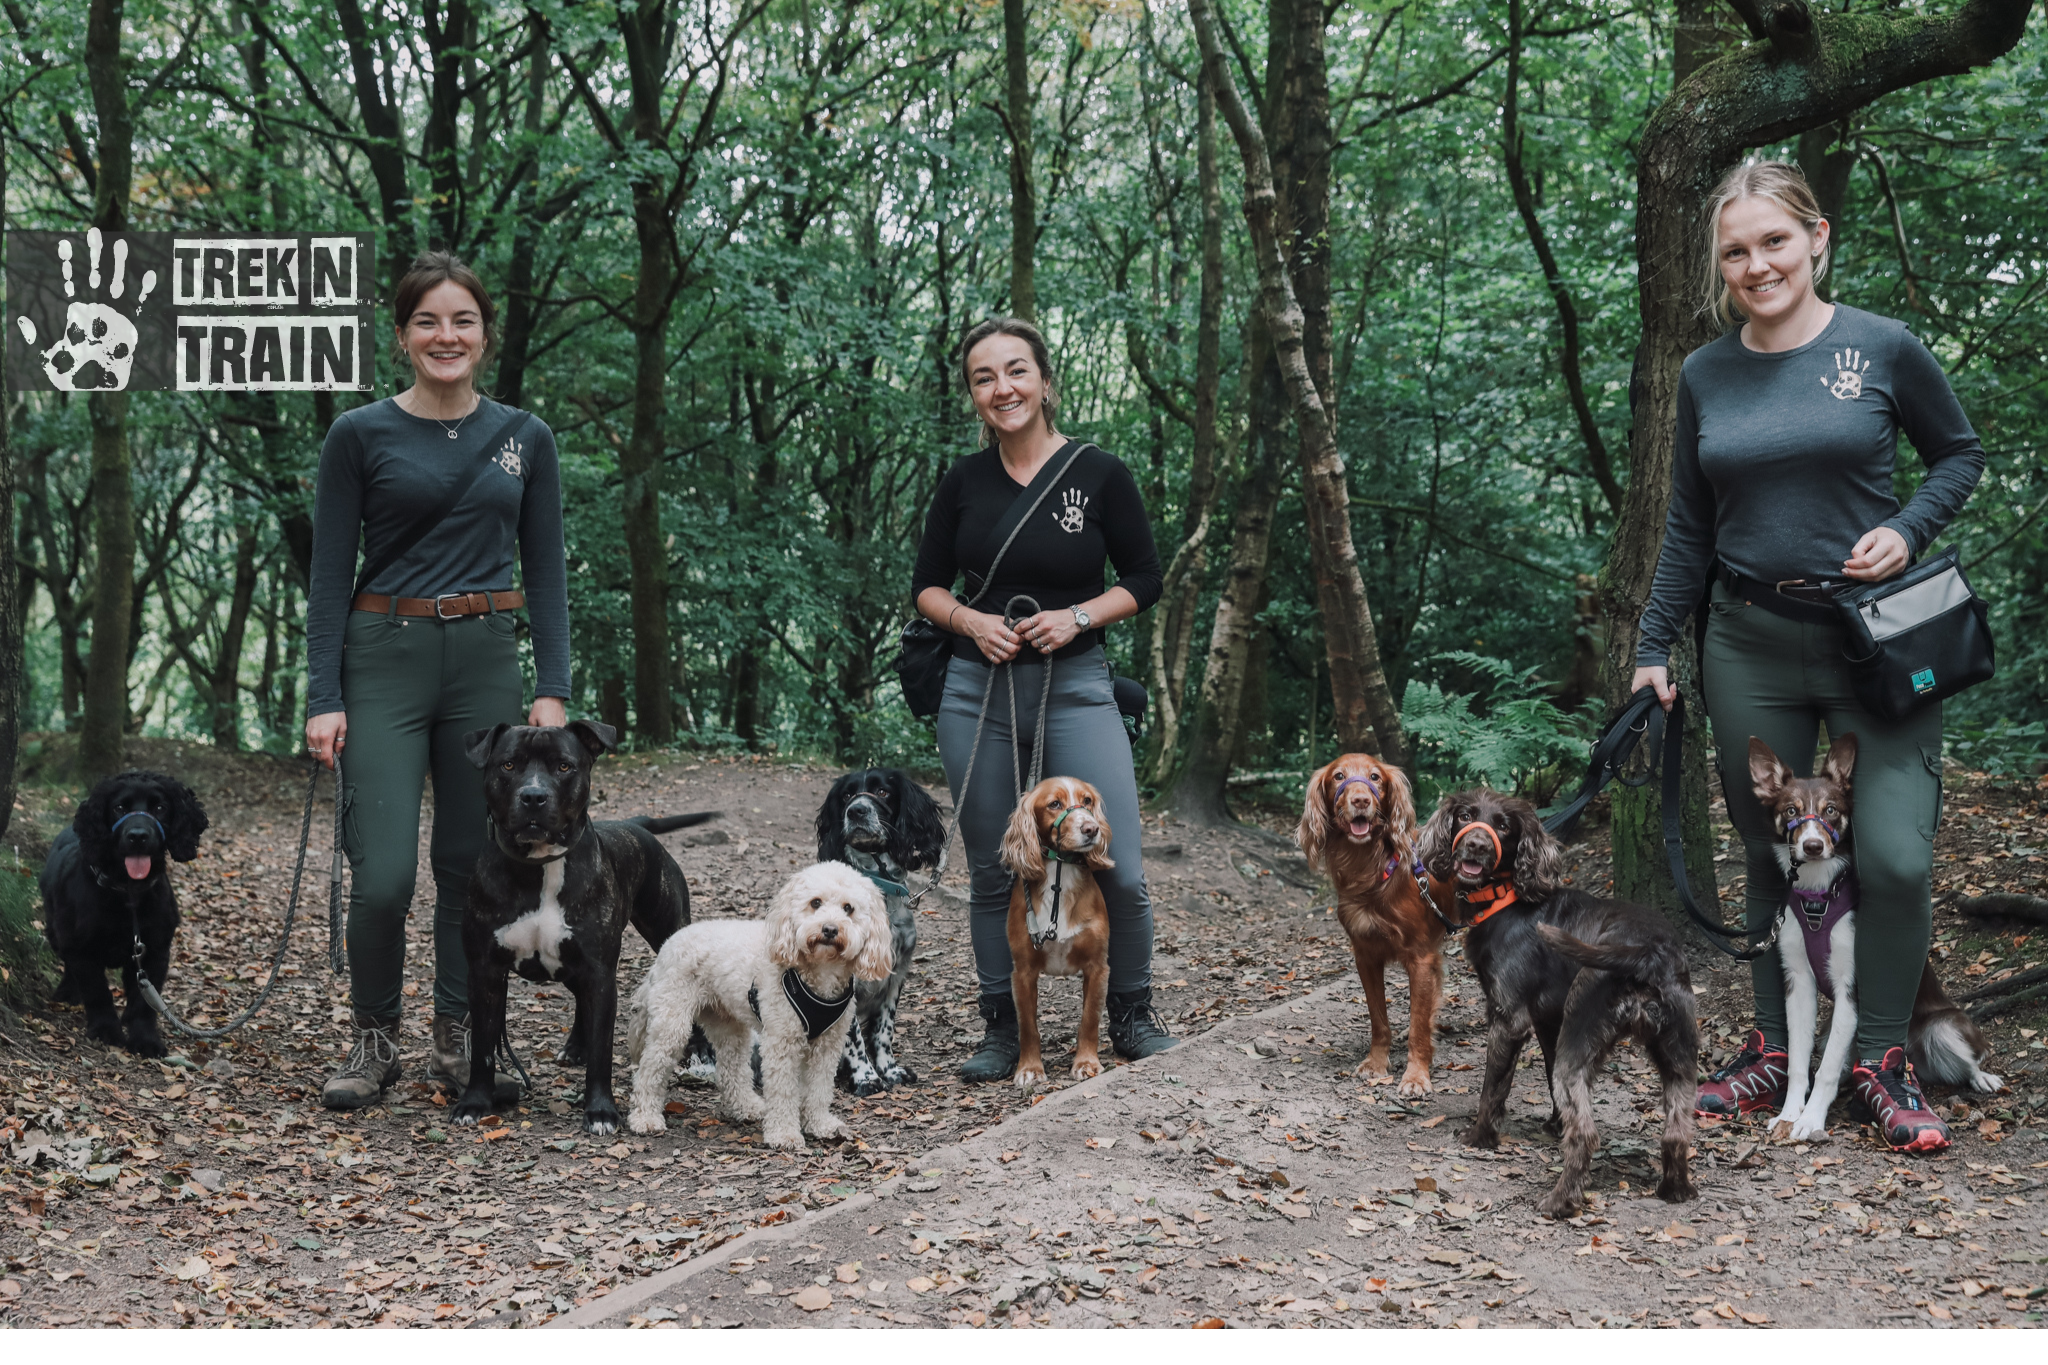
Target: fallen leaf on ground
x,y
811,1299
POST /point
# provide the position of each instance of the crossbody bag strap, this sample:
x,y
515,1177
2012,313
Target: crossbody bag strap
x,y
1020,512
432,517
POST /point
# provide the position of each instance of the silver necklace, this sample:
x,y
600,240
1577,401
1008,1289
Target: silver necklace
x,y
456,430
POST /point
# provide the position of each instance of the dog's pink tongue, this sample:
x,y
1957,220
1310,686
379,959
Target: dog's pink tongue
x,y
1360,828
138,868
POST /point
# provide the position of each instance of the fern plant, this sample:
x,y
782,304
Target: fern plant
x,y
1508,735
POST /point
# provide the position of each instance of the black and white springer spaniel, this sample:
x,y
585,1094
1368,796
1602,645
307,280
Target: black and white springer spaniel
x,y
884,824
107,883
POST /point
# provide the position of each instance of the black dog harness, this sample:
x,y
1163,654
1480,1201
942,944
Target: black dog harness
x,y
1817,914
815,1010
871,867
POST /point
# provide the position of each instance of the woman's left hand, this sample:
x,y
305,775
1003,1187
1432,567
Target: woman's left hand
x,y
1880,554
1049,630
548,711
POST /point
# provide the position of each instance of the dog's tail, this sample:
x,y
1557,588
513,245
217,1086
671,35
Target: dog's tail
x,y
666,824
1616,955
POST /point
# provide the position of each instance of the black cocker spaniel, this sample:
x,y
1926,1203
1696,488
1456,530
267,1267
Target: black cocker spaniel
x,y
107,883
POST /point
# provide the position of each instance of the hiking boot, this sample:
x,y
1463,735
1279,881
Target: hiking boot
x,y
1135,1028
372,1065
1885,1093
1755,1080
996,1058
449,1067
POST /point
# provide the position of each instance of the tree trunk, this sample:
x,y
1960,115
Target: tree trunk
x,y
384,148
1597,461
13,664
1023,199
1808,72
106,669
225,684
1364,705
640,464
1200,792
448,37
521,308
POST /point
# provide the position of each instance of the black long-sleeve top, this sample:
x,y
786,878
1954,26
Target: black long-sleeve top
x,y
1092,514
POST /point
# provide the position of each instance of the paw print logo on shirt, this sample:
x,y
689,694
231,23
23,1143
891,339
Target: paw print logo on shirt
x,y
96,348
1073,510
1850,367
508,458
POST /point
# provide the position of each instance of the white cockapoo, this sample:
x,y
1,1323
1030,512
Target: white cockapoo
x,y
787,978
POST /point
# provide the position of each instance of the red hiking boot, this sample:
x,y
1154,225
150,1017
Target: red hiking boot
x,y
1754,1080
1887,1095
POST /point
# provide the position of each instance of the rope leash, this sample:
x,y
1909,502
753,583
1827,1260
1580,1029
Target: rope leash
x,y
148,989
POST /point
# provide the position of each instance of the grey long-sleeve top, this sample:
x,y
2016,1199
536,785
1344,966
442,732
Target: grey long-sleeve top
x,y
379,469
1784,460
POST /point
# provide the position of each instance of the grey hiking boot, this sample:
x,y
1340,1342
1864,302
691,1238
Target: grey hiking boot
x,y
996,1058
449,1066
1135,1029
372,1065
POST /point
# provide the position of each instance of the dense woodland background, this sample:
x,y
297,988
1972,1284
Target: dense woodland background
x,y
737,242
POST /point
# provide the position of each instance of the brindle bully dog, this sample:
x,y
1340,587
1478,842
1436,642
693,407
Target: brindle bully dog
x,y
552,895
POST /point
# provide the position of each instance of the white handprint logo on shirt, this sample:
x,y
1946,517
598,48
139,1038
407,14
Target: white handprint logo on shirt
x,y
1073,507
1848,380
96,349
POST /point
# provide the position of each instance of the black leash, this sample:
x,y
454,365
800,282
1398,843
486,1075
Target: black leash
x,y
147,988
1644,718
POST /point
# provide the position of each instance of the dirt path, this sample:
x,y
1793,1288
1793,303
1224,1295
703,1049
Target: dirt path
x,y
216,1188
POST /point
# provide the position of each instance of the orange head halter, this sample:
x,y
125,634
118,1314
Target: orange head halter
x,y
1496,896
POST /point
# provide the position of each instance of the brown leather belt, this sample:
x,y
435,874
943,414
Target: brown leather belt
x,y
447,608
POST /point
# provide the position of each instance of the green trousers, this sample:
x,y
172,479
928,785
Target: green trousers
x,y
1780,680
412,688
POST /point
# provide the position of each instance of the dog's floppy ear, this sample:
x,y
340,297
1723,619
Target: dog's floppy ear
x,y
595,736
1397,807
785,917
1539,859
919,835
1313,834
832,820
877,957
1840,765
478,744
93,820
1767,772
187,820
1433,844
1021,852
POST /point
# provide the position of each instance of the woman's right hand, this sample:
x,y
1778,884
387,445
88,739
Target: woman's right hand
x,y
327,734
997,642
1658,677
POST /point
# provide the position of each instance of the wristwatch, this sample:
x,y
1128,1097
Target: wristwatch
x,y
1081,618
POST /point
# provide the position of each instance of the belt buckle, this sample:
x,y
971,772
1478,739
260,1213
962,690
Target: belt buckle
x,y
440,615
1782,584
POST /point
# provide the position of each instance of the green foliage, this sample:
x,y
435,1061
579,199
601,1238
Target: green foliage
x,y
2002,748
27,969
1506,734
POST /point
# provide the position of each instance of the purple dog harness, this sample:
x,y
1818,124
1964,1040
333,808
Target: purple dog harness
x,y
1817,913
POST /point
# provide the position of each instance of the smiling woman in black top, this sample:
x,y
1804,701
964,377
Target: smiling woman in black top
x,y
1093,515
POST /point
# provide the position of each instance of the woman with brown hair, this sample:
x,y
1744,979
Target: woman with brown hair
x,y
1087,513
444,490
1781,498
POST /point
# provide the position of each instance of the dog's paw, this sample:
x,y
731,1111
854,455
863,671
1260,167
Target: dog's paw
x,y
105,1031
1414,1083
1482,1137
571,1055
874,1086
784,1139
468,1111
831,1130
1086,1068
1559,1204
147,1044
1373,1069
647,1125
1029,1075
903,1075
1677,1189
1808,1127
601,1117
1984,1083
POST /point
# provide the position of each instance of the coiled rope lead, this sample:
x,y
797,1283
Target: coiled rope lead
x,y
148,988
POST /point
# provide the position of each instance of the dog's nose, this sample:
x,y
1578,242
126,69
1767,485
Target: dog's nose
x,y
1813,848
830,933
533,798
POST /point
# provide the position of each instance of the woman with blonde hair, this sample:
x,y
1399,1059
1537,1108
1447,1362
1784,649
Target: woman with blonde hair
x,y
1781,498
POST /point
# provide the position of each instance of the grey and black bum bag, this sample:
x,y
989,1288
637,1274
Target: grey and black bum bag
x,y
1916,638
